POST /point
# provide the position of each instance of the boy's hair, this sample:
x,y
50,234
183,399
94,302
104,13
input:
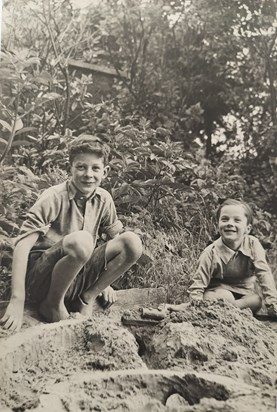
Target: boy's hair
x,y
233,202
89,144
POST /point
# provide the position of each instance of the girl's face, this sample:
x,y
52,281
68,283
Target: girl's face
x,y
233,225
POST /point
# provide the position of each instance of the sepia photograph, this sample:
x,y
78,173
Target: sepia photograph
x,y
138,209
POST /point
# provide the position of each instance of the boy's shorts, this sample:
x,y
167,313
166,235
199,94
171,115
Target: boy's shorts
x,y
41,265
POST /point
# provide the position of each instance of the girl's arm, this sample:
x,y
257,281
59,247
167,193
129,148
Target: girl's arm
x,y
202,276
265,277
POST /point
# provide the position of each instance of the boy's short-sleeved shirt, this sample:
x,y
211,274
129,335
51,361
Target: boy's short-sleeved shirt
x,y
220,266
56,214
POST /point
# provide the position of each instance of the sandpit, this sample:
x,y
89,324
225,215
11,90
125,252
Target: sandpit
x,y
209,358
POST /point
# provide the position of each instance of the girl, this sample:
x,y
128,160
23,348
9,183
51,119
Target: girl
x,y
227,268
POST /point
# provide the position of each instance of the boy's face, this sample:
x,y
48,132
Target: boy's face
x,y
88,171
233,225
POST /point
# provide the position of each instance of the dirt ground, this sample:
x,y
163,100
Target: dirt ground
x,y
212,357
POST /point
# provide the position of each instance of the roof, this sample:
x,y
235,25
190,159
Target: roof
x,y
79,64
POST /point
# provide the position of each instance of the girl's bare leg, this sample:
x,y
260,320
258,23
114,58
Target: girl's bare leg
x,y
254,302
219,293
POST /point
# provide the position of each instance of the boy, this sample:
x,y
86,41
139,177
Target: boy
x,y
226,268
56,246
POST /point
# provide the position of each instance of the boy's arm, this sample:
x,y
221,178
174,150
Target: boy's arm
x,y
110,225
202,276
13,316
265,277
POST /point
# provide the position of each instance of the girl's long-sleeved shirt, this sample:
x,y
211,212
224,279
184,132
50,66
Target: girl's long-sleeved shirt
x,y
220,266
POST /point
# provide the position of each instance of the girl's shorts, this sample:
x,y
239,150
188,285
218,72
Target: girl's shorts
x,y
41,265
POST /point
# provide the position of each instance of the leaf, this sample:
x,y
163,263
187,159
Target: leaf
x,y
18,124
6,125
3,234
51,96
25,129
44,78
16,143
2,209
27,172
74,106
31,61
7,225
5,73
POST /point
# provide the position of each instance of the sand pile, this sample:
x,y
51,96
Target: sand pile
x,y
212,357
216,338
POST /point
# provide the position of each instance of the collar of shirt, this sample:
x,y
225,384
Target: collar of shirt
x,y
73,192
227,253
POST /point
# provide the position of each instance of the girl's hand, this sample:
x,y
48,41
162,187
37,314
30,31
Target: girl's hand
x,y
176,308
272,310
13,316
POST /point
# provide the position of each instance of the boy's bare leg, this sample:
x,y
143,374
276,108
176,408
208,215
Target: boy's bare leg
x,y
121,253
77,247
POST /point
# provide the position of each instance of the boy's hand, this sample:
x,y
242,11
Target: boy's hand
x,y
13,316
108,297
272,310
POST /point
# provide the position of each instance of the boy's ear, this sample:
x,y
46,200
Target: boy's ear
x,y
248,229
106,170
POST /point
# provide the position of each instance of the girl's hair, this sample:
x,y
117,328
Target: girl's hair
x,y
89,144
233,202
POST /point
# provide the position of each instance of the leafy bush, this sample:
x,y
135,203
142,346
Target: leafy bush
x,y
160,189
187,68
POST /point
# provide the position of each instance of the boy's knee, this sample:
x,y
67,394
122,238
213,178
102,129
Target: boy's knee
x,y
78,245
132,245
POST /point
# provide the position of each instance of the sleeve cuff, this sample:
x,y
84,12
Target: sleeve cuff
x,y
114,229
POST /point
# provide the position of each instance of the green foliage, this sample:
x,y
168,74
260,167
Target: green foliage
x,y
194,121
169,193
190,64
19,189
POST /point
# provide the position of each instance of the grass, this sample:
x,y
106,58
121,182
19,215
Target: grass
x,y
171,259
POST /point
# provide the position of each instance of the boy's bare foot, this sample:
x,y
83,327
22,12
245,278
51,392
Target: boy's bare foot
x,y
79,306
86,310
53,314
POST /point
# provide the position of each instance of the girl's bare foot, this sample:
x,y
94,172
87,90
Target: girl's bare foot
x,y
53,314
